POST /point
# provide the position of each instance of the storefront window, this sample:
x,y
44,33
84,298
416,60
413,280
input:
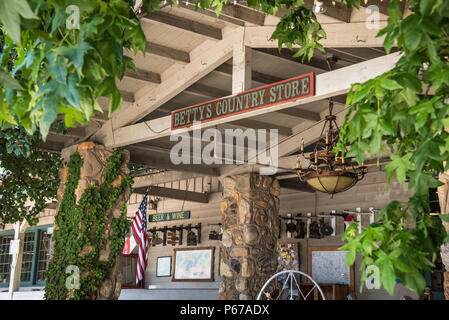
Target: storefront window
x,y
5,258
36,253
44,255
128,265
27,258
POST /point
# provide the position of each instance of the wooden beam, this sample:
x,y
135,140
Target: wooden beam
x,y
211,13
148,156
174,194
208,56
127,96
328,84
185,24
338,35
143,75
382,5
244,13
207,91
265,78
241,65
226,68
295,184
168,176
288,55
301,113
256,124
167,52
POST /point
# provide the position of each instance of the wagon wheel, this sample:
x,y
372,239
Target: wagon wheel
x,y
293,285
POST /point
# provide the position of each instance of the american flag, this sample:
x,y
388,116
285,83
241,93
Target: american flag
x,y
139,227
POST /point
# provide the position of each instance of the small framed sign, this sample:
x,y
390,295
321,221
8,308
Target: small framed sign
x,y
163,266
169,216
14,246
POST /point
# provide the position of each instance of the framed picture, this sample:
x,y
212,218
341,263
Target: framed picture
x,y
194,264
327,264
163,266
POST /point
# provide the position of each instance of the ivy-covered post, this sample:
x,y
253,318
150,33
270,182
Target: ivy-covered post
x,y
90,224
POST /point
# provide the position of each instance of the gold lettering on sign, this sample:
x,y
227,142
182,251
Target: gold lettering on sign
x,y
261,97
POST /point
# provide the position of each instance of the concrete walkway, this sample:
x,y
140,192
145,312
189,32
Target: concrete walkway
x,y
37,293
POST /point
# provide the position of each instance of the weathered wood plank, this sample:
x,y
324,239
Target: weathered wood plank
x,y
185,24
173,194
167,52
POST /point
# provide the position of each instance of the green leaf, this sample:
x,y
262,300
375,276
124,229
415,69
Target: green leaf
x,y
388,276
408,80
10,16
7,81
400,165
72,93
425,6
75,54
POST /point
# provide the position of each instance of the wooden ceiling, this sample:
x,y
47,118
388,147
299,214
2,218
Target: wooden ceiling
x,y
176,36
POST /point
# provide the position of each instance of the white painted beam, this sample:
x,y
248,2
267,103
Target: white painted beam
x,y
338,35
205,58
241,64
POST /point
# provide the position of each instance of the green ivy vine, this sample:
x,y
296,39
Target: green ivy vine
x,y
80,232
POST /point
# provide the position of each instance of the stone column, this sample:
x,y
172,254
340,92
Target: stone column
x,y
250,228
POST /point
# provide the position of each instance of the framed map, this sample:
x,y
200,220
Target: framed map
x,y
163,266
194,264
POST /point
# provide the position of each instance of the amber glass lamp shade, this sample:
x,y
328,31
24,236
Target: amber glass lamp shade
x,y
331,181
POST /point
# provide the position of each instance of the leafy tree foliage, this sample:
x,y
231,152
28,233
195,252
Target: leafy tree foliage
x,y
30,177
404,111
46,70
63,71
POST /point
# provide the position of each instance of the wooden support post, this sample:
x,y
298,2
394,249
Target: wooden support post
x,y
16,264
241,65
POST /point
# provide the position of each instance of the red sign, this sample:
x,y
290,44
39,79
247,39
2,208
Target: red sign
x,y
126,247
271,94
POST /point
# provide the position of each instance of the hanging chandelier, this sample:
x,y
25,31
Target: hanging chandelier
x,y
327,171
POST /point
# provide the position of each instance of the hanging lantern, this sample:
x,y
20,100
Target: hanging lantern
x,y
329,172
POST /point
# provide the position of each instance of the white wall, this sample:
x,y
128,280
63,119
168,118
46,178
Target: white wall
x,y
372,191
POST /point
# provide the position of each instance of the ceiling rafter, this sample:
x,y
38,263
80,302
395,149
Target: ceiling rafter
x,y
226,68
382,5
143,75
184,24
211,13
167,52
244,13
337,11
333,83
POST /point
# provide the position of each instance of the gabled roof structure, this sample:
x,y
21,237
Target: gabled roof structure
x,y
195,56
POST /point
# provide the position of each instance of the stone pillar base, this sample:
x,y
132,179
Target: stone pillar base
x,y
250,213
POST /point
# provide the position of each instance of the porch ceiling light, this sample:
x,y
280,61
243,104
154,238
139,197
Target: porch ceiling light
x,y
329,172
319,7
